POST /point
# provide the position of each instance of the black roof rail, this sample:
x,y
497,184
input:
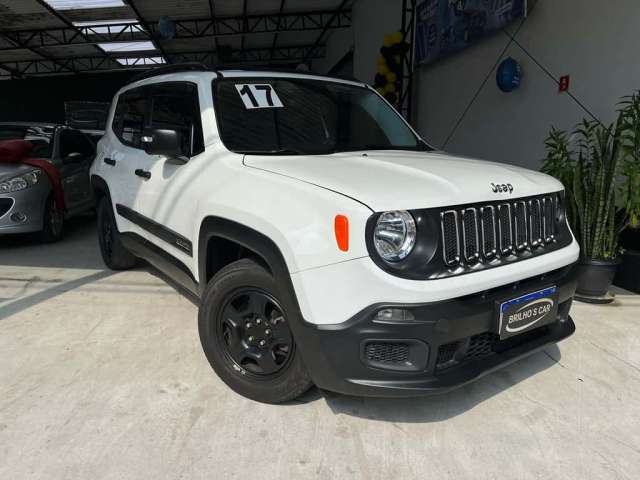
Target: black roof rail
x,y
219,69
173,68
277,69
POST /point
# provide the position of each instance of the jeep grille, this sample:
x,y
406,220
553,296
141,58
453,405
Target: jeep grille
x,y
483,233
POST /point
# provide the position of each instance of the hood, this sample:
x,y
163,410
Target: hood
x,y
401,180
10,170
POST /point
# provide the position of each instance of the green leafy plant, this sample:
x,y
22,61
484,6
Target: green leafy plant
x,y
630,137
591,163
594,189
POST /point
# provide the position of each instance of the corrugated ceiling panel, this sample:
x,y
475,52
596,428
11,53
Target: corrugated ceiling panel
x,y
228,8
69,51
284,38
26,15
263,6
234,7
96,14
18,54
188,45
152,10
5,44
301,5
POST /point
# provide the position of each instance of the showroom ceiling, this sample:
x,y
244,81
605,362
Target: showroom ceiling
x,y
45,37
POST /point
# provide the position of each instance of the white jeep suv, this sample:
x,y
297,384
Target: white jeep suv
x,y
328,244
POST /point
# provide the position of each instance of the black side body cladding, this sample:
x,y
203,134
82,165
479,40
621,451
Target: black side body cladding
x,y
166,263
172,238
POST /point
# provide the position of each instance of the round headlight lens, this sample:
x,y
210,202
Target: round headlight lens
x,y
20,182
395,235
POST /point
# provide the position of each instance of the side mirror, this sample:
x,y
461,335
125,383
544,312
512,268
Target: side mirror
x,y
160,141
73,157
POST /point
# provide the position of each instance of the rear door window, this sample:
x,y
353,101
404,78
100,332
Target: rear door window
x,y
129,117
175,106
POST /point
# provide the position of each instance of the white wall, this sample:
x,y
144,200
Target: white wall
x,y
371,20
338,44
593,41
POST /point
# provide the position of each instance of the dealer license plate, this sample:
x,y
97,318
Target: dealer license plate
x,y
527,312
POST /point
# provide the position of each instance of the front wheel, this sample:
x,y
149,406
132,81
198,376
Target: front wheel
x,y
114,254
245,334
52,222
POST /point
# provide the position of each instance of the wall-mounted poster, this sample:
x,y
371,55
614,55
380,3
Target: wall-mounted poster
x,y
446,26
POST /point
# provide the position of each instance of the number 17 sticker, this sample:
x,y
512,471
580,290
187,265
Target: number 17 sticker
x,y
255,95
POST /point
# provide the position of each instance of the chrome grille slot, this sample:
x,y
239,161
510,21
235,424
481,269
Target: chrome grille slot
x,y
450,238
505,229
549,215
470,241
481,236
488,230
535,223
520,224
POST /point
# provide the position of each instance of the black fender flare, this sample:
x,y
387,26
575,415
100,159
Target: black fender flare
x,y
250,239
305,334
98,184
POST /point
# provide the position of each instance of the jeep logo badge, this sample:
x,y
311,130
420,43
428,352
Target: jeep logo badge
x,y
502,188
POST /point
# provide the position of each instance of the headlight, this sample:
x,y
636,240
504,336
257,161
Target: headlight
x,y
20,182
395,235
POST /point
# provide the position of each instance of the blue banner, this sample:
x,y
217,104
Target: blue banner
x,y
446,26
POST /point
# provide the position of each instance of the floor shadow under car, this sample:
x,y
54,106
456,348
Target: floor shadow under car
x,y
78,247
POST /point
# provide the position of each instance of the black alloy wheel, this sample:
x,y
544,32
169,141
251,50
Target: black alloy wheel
x,y
255,333
244,322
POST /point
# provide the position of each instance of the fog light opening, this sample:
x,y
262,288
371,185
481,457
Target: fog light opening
x,y
19,217
394,315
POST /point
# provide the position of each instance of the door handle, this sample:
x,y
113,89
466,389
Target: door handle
x,y
109,161
143,173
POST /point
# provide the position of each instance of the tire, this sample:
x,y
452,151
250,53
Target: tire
x,y
52,222
114,254
240,308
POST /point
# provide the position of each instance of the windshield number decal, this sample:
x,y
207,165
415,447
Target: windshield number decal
x,y
258,96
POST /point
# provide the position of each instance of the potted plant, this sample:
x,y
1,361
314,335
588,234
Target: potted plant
x,y
597,165
627,276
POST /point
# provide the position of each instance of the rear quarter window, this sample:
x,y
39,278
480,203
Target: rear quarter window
x,y
129,117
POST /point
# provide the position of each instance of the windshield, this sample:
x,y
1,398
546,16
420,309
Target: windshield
x,y
40,138
303,116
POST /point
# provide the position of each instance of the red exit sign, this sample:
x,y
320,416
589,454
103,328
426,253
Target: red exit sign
x,y
564,83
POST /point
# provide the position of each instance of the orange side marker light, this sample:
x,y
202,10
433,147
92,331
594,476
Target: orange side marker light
x,y
341,228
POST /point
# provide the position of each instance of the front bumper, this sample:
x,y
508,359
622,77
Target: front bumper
x,y
449,344
29,203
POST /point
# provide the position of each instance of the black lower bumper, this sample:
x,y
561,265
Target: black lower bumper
x,y
449,343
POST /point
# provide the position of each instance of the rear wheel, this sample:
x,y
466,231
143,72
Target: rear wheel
x,y
52,222
245,334
114,254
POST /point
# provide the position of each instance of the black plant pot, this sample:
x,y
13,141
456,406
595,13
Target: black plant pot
x,y
628,276
595,278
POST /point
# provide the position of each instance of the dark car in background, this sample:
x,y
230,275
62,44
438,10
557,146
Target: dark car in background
x,y
29,200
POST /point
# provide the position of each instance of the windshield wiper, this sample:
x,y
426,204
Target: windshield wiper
x,y
413,148
419,147
280,151
284,151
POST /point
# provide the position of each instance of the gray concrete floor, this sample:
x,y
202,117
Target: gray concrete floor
x,y
102,376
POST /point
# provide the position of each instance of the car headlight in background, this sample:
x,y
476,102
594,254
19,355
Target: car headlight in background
x,y
20,182
395,235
